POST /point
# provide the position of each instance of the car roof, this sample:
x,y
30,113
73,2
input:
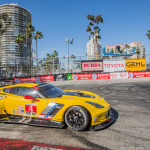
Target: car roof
x,y
21,84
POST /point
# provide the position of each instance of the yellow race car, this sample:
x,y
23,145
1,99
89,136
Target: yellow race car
x,y
44,104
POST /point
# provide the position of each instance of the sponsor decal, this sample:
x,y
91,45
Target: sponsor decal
x,y
14,111
58,122
37,79
94,76
20,107
75,77
20,112
17,80
34,114
1,97
130,75
135,64
92,65
28,113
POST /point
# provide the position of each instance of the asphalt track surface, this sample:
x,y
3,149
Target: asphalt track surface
x,y
130,100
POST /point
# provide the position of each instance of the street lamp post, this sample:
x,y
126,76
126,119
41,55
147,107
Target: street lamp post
x,y
68,42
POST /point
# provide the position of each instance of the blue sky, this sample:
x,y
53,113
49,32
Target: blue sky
x,y
125,21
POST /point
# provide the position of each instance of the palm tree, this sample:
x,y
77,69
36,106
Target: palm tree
x,y
94,29
5,22
148,35
28,35
38,35
20,39
137,51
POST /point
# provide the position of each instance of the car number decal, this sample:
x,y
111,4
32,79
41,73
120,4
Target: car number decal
x,y
31,108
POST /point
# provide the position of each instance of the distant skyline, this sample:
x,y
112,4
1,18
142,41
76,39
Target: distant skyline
x,y
125,21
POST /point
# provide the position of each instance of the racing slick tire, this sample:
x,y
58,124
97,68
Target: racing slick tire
x,y
78,118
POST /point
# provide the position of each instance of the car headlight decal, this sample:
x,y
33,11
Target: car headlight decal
x,y
95,104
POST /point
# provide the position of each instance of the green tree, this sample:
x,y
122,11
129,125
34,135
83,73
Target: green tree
x,y
93,29
37,35
148,34
5,22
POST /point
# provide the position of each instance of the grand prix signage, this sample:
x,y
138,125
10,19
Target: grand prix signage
x,y
135,64
35,79
92,65
114,65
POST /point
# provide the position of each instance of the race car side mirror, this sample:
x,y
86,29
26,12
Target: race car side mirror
x,y
30,97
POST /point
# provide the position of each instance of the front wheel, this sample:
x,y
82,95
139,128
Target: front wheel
x,y
77,117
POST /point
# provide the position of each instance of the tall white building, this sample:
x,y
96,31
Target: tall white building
x,y
11,53
94,50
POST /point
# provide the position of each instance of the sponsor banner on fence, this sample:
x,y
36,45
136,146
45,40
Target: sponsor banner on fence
x,y
60,77
119,75
96,76
82,77
135,64
136,74
69,76
113,65
148,74
93,65
34,79
103,76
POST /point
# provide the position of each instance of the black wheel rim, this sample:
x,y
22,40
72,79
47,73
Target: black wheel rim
x,y
75,119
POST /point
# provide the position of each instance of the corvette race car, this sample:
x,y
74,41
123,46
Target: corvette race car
x,y
44,104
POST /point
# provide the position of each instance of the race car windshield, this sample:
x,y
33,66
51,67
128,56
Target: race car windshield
x,y
50,91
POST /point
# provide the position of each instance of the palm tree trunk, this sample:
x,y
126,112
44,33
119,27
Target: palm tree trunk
x,y
36,57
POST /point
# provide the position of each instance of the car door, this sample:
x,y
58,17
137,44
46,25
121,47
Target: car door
x,y
17,104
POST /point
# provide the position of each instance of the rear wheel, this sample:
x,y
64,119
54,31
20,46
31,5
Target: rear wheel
x,y
77,117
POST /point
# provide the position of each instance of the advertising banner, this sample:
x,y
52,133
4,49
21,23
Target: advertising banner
x,y
92,65
148,74
119,75
97,76
69,76
60,77
82,77
101,76
135,64
136,74
34,79
49,78
110,65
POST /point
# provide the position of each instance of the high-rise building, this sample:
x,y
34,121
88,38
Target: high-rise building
x,y
13,55
130,50
94,49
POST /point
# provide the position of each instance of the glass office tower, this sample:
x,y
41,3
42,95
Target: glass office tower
x,y
13,55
